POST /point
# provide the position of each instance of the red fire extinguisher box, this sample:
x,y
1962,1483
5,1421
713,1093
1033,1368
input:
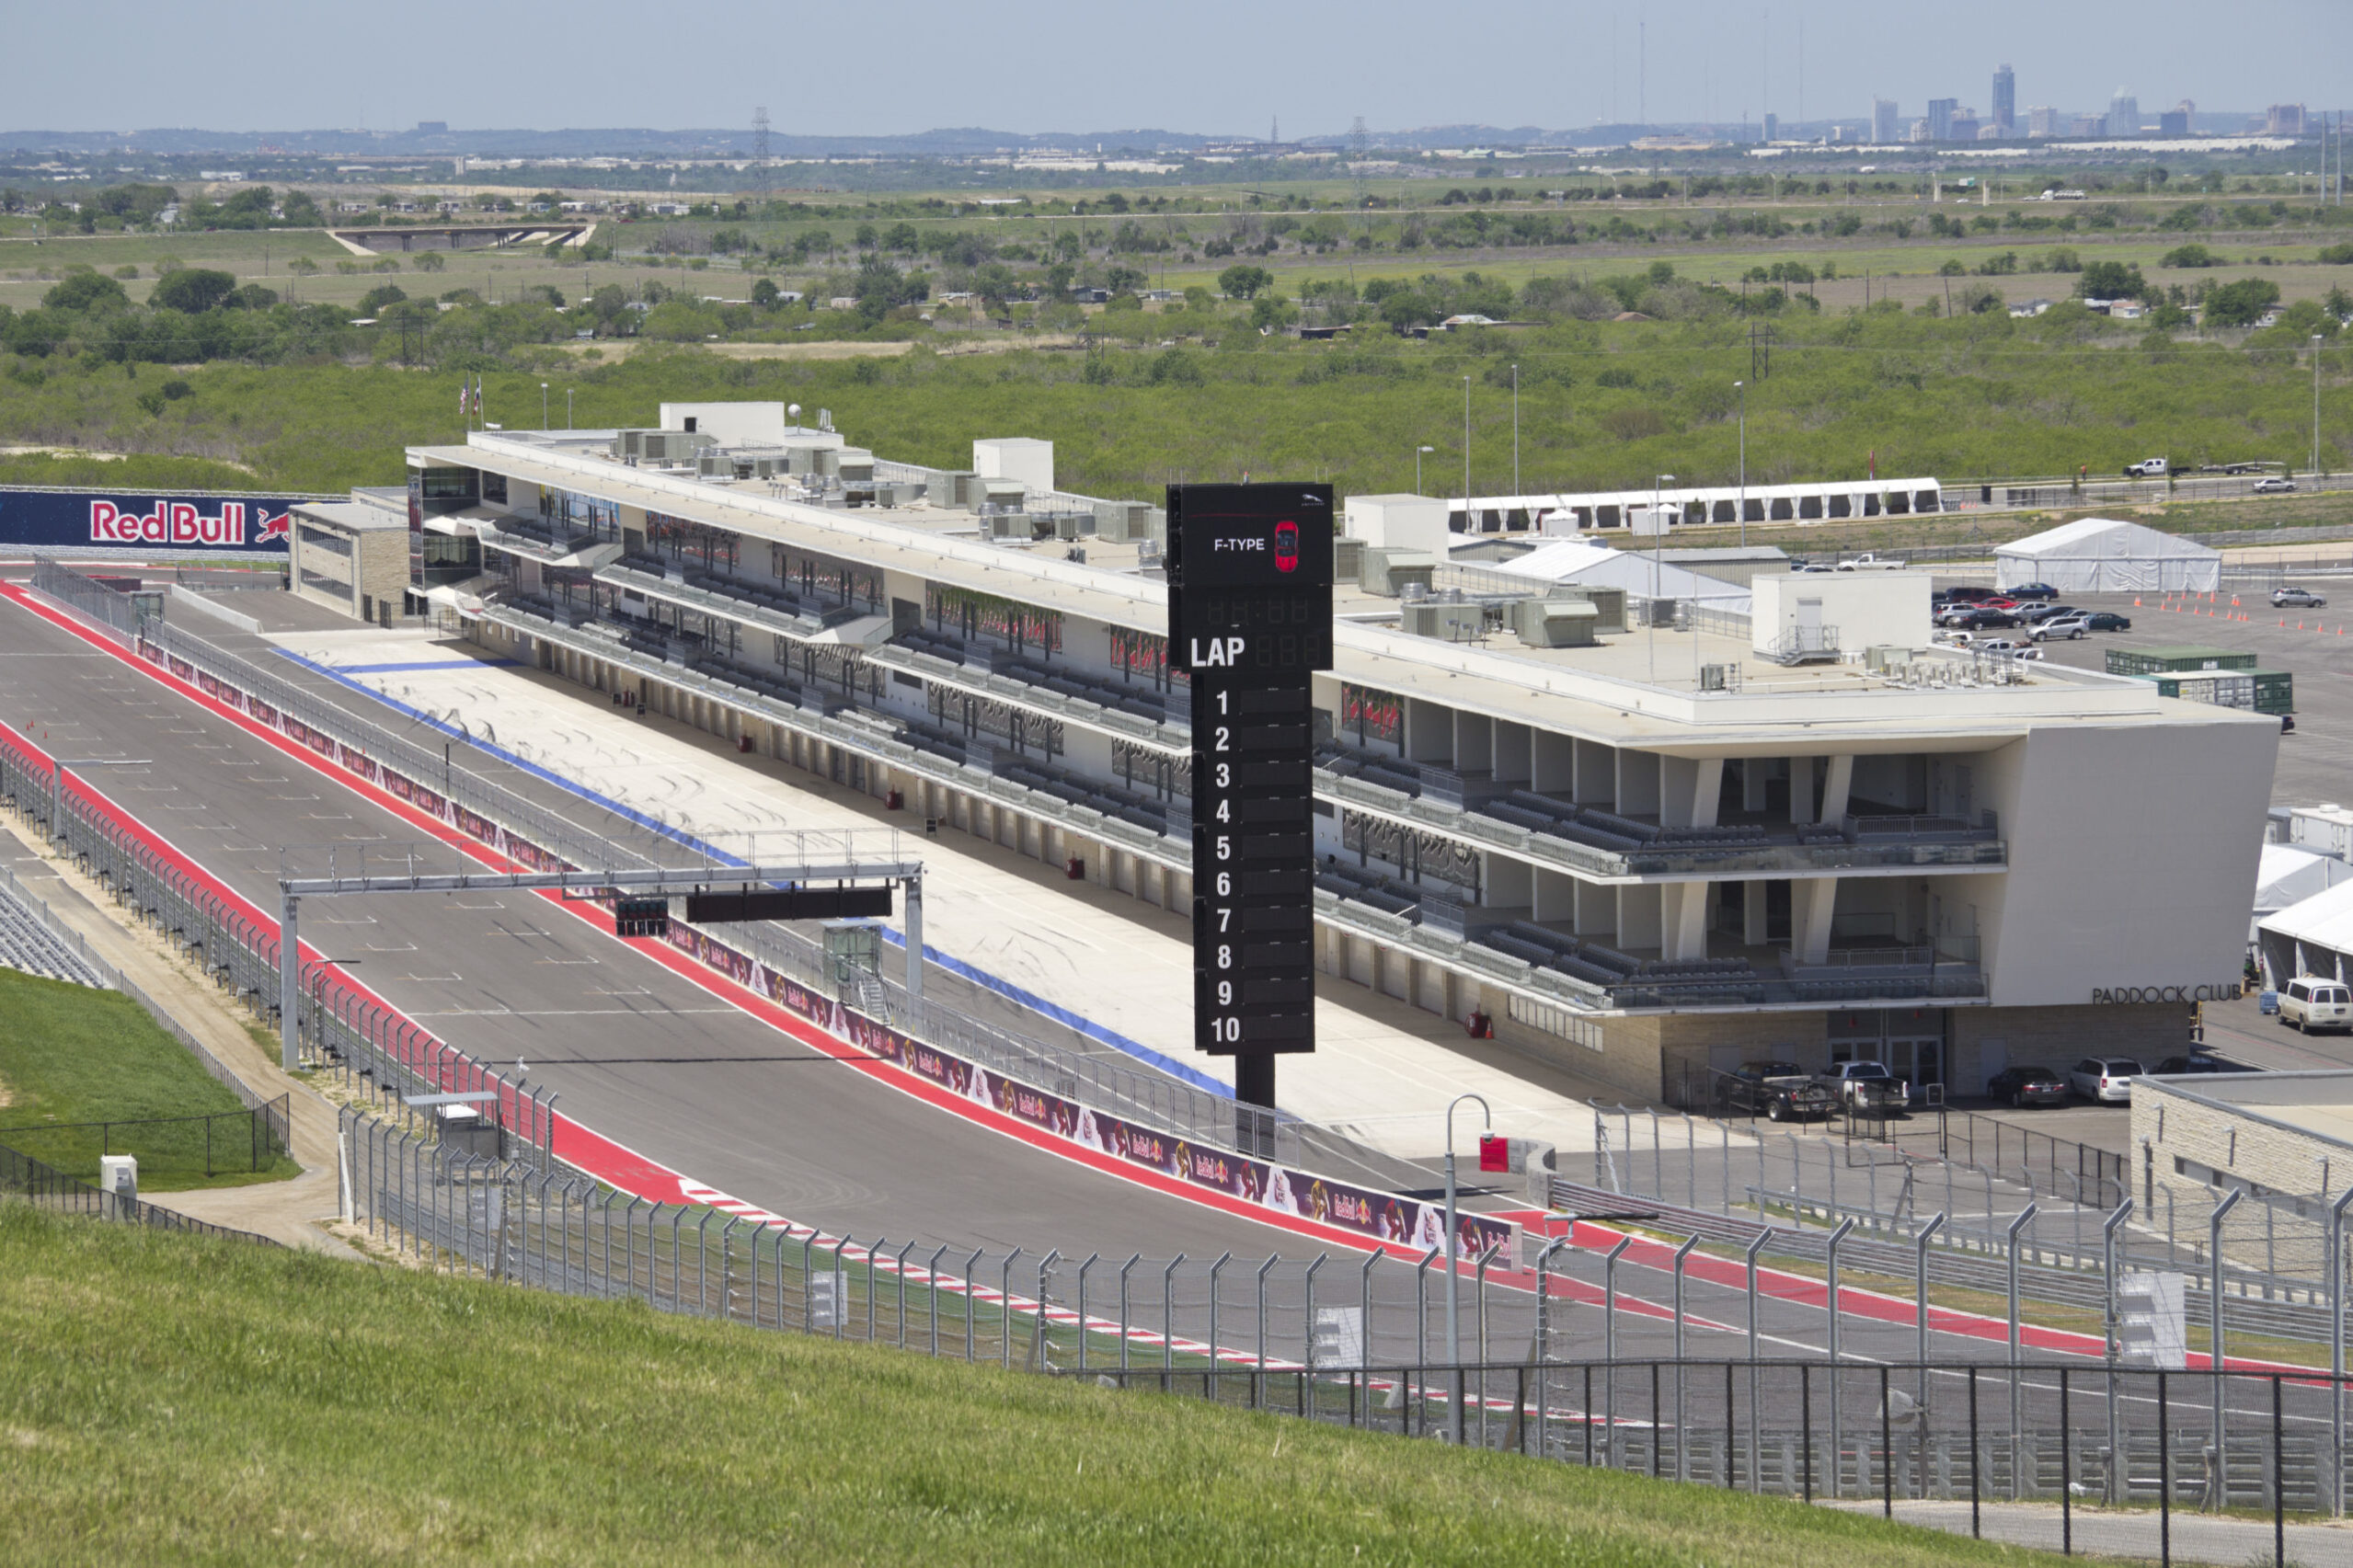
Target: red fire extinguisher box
x,y
1495,1153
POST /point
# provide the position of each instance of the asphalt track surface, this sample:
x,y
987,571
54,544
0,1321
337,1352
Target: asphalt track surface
x,y
642,1054
655,1059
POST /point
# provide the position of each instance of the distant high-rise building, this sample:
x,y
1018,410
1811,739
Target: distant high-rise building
x,y
2124,114
1962,127
2284,119
2173,122
1771,129
2088,125
2042,121
1883,120
1940,118
2005,101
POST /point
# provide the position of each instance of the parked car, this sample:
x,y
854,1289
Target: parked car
x,y
1782,1089
2009,647
2046,610
2032,590
2105,1079
1868,1086
1963,594
2068,626
2197,1061
2274,486
1979,618
2108,620
2023,1086
2297,599
2315,1002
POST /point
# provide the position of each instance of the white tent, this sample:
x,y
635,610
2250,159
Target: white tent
x,y
2099,555
2288,876
1573,560
2310,938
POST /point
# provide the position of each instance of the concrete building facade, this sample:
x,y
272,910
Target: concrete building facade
x,y
1650,855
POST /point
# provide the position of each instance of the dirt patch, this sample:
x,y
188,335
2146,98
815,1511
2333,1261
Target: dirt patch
x,y
8,1095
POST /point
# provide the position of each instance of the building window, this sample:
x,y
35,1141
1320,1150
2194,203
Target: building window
x,y
1560,1021
319,539
1372,715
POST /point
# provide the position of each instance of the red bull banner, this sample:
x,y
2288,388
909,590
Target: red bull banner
x,y
132,522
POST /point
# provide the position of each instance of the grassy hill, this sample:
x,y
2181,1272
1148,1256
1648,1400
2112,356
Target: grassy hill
x,y
85,1072
164,1398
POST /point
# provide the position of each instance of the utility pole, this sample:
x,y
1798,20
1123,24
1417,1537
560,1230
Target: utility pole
x,y
1515,429
1742,388
1466,454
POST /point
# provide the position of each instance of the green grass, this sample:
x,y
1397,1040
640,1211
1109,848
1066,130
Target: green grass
x,y
72,1055
167,1399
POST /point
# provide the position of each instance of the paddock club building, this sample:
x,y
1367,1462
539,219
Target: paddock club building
x,y
1640,840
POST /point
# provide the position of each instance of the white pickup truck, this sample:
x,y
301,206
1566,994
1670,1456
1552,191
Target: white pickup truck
x,y
2149,468
1868,562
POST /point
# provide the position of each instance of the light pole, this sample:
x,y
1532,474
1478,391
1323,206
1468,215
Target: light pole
x,y
1742,388
543,405
1418,455
2316,405
567,408
1466,456
1515,431
1658,482
1453,1334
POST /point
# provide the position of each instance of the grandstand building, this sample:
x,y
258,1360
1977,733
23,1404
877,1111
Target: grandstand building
x,y
1644,837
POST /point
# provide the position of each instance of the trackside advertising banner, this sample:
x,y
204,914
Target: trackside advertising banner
x,y
131,521
1379,1216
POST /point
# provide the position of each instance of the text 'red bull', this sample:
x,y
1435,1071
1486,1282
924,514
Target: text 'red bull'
x,y
176,522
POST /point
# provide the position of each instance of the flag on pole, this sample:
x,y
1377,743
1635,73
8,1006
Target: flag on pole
x,y
461,397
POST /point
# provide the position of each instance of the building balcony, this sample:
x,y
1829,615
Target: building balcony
x,y
1141,717
1160,831
550,545
1593,843
766,610
1578,972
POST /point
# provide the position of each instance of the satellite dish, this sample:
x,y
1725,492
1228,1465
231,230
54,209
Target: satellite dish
x,y
793,411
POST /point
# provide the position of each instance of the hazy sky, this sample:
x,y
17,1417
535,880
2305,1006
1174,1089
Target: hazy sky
x,y
1213,66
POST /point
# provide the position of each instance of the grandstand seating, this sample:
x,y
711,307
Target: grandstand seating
x,y
27,945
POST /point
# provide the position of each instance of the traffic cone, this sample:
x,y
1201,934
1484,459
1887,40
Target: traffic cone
x,y
2234,602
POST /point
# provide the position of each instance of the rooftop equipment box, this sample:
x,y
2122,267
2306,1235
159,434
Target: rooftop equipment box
x,y
1019,458
1399,523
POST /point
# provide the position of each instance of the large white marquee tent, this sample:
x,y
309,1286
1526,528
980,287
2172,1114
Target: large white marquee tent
x,y
2099,555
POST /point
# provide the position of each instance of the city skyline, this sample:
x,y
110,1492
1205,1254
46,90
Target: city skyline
x,y
1229,70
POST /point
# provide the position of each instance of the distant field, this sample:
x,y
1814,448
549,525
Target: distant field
x,y
169,1398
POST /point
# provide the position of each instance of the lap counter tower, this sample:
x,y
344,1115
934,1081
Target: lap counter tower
x,y
1250,622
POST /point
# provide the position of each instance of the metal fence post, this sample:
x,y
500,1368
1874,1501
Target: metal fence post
x,y
1215,1269
1045,1270
1421,1307
2333,1249
1092,1259
898,1266
1365,1287
2026,1218
1004,1311
1259,1382
1920,1292
1610,1306
1307,1330
1837,1236
1682,1453
972,1297
1123,1308
931,1285
2112,1485
2216,1353
1168,1312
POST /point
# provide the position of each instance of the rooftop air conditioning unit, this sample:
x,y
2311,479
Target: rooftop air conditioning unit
x,y
1556,622
1443,621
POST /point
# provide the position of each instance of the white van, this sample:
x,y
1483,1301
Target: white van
x,y
2315,1002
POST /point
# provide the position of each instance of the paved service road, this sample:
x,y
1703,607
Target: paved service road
x,y
638,1053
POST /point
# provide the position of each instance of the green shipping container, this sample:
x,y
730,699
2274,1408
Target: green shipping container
x,y
2186,656
2261,690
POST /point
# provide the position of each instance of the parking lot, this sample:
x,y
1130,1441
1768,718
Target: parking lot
x,y
2314,645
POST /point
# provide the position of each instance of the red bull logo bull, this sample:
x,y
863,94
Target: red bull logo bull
x,y
180,523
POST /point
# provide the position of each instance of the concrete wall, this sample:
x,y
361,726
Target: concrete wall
x,y
2133,854
2237,1144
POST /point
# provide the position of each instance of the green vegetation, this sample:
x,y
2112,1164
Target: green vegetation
x,y
165,1398
71,1055
1200,395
